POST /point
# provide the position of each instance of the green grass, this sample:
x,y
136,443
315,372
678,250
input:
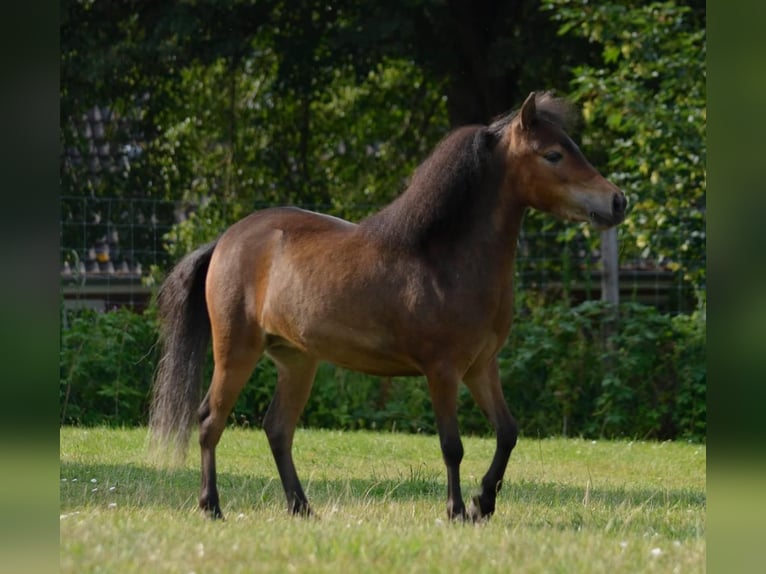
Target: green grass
x,y
568,505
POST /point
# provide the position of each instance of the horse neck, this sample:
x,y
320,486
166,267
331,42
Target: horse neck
x,y
476,228
495,249
488,245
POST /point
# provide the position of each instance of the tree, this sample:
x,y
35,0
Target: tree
x,y
487,55
645,115
234,105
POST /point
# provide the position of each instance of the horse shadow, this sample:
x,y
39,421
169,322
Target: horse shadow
x,y
86,486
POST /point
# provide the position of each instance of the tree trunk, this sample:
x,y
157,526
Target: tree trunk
x,y
476,93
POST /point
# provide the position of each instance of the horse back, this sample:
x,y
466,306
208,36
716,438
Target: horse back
x,y
316,284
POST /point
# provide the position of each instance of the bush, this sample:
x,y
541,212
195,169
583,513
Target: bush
x,y
563,374
107,362
561,371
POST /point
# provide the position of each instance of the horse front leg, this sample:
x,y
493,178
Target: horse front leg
x,y
486,389
443,387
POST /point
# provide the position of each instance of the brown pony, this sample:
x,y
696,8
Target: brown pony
x,y
423,287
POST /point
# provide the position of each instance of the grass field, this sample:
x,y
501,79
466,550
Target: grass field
x,y
568,505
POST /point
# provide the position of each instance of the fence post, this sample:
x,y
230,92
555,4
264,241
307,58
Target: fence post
x,y
610,276
610,293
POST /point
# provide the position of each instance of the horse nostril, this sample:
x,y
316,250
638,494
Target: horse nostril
x,y
619,203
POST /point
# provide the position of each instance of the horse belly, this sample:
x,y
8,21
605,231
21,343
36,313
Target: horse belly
x,y
365,351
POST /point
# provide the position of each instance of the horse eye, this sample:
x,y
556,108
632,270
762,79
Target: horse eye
x,y
553,156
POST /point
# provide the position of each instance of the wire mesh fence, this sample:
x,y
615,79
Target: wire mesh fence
x,y
571,271
108,245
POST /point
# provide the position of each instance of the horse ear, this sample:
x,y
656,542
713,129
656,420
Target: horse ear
x,y
528,111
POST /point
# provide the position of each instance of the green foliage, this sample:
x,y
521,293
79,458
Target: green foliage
x,y
563,374
645,119
347,150
107,363
372,133
235,106
647,381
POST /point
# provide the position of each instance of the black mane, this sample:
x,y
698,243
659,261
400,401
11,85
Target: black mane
x,y
443,192
460,178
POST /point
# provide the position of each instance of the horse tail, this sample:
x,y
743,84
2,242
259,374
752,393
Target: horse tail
x,y
184,339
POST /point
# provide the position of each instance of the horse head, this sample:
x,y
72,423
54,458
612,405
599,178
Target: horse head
x,y
546,169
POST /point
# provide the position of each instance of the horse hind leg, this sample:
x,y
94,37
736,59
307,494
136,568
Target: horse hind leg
x,y
296,373
486,390
233,367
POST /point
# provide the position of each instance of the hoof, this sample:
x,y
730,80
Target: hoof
x,y
211,509
213,513
476,514
302,509
456,512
